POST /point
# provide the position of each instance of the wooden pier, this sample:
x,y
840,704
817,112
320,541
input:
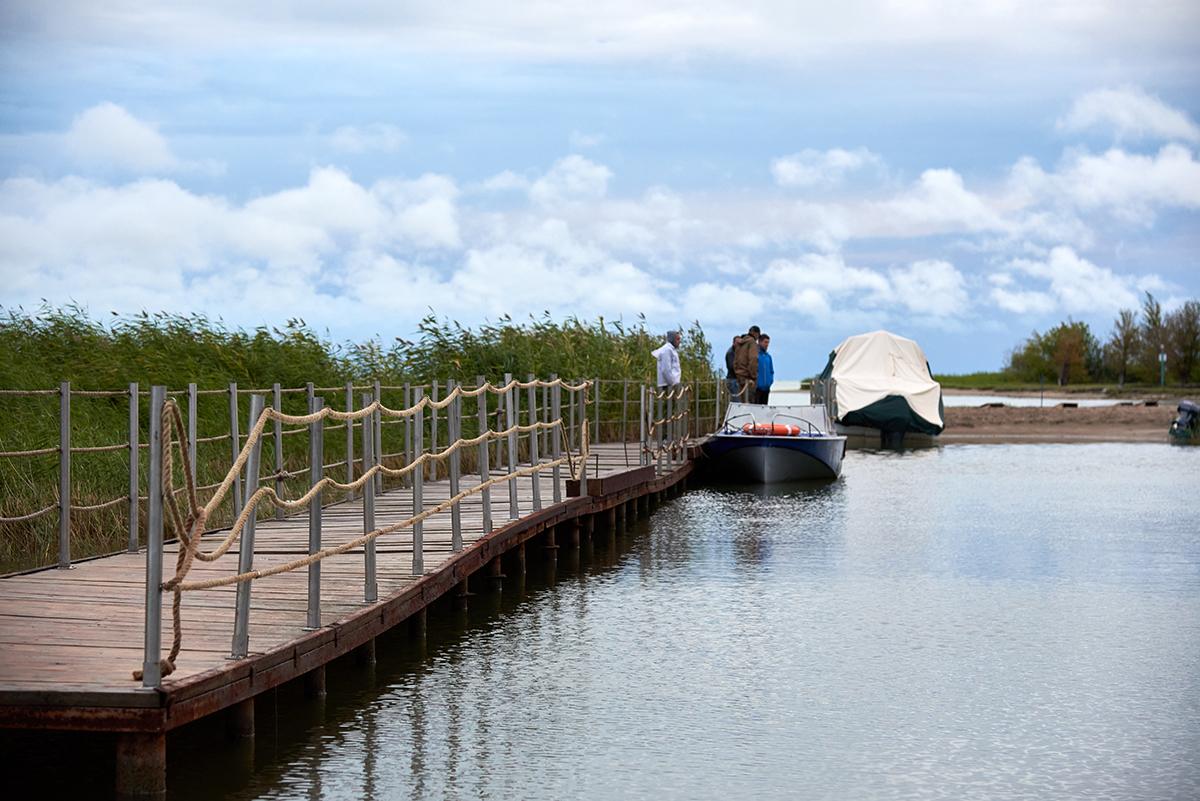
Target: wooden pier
x,y
70,640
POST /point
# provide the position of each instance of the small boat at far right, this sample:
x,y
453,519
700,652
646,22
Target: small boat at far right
x,y
1185,429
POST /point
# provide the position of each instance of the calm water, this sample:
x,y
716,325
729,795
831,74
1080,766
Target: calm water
x,y
969,622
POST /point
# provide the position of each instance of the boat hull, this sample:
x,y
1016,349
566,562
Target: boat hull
x,y
768,460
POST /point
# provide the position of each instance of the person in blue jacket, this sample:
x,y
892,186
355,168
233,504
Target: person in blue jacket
x,y
766,371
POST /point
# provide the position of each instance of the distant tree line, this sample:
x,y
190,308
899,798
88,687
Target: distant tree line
x,y
1070,353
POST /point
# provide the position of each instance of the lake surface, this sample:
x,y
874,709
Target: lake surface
x,y
963,622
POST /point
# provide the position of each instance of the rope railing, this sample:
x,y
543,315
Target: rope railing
x,y
188,526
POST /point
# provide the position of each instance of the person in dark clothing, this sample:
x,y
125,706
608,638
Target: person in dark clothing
x,y
766,371
745,365
730,375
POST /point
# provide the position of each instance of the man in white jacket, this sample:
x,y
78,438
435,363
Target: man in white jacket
x,y
669,371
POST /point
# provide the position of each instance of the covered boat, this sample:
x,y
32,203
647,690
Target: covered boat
x,y
768,444
881,381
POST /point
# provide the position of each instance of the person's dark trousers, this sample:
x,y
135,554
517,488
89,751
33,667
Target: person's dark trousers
x,y
762,395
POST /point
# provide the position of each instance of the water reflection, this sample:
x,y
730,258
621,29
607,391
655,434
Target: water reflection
x,y
969,622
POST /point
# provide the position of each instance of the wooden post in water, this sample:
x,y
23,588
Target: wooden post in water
x,y
241,605
316,471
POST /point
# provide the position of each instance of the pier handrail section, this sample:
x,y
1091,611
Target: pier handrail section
x,y
172,440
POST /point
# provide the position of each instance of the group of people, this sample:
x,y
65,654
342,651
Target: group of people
x,y
749,369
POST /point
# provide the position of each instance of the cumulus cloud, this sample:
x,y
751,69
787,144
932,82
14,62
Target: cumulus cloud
x,y
377,137
1069,283
934,288
816,167
721,303
107,136
1130,114
573,178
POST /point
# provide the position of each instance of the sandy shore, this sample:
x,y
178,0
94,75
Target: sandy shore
x,y
1057,424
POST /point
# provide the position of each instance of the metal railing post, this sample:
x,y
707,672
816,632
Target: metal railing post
x,y
642,457
571,435
377,441
484,468
543,415
533,447
556,437
350,438
193,416
408,434
134,467
433,421
241,616
418,487
510,421
235,447
152,634
316,471
369,460
453,435
624,408
596,415
277,404
659,427
64,475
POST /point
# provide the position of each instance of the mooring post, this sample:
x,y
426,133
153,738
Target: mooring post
x,y
277,403
369,459
235,447
152,635
64,475
509,418
141,766
533,445
350,438
484,468
193,414
241,616
556,436
134,471
316,471
418,485
454,429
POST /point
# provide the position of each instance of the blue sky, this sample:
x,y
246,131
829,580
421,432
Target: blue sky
x,y
958,173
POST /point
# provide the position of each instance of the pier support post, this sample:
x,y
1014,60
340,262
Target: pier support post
x,y
239,723
364,655
576,533
142,766
551,543
314,682
610,516
496,574
622,521
589,526
418,625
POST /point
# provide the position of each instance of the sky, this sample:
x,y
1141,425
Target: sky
x,y
958,173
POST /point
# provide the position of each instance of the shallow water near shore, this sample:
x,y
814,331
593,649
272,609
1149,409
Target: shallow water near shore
x,y
963,622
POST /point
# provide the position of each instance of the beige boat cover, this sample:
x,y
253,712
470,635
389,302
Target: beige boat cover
x,y
870,367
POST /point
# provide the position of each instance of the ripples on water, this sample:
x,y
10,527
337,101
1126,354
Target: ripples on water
x,y
986,622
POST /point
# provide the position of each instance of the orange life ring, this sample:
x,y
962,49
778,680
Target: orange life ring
x,y
771,429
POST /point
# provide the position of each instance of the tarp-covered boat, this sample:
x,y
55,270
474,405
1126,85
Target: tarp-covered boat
x,y
882,381
768,444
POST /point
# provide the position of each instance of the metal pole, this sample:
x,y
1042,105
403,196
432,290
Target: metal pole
x,y
378,440
556,437
235,446
543,416
453,435
659,428
134,467
484,468
64,475
571,444
369,460
241,617
193,415
642,424
596,414
624,406
277,403
418,489
694,424
433,421
408,433
509,396
152,634
533,448
316,471
350,438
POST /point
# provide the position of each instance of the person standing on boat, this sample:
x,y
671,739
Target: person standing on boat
x,y
669,371
766,371
745,365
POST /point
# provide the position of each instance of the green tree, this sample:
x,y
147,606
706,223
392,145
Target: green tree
x,y
1067,353
1123,344
1183,337
1153,337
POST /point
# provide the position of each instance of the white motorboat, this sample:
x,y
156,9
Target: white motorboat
x,y
767,444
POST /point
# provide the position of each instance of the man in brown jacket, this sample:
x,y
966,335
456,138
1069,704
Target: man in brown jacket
x,y
745,365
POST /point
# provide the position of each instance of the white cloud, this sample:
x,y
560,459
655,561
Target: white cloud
x,y
1071,283
816,167
933,288
377,137
107,136
573,178
721,303
1022,302
1131,114
809,284
581,141
505,181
